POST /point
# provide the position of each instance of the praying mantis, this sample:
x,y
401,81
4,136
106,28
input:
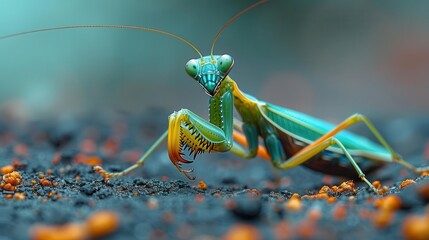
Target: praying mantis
x,y
289,138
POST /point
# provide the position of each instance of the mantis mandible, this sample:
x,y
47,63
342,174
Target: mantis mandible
x,y
290,138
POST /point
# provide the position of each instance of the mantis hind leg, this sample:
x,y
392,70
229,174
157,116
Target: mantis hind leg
x,y
308,152
357,118
329,139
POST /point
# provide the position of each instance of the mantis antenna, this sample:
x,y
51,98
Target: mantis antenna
x,y
232,20
104,26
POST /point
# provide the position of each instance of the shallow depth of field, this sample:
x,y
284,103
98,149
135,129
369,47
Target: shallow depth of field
x,y
72,99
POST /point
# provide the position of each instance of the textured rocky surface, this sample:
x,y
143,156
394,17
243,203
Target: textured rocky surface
x,y
231,197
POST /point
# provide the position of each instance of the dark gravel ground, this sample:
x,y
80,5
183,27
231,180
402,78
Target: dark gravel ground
x,y
156,202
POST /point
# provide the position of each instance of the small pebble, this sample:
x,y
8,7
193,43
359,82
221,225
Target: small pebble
x,y
247,207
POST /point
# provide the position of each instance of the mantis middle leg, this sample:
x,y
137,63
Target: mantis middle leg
x,y
249,140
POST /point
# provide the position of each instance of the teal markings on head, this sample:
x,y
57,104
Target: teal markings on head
x,y
209,71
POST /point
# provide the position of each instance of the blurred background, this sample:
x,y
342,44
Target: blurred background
x,y
325,58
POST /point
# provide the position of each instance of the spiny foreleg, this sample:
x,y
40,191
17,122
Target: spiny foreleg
x,y
189,132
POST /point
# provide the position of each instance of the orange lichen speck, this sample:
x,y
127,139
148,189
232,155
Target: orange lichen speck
x,y
416,227
45,182
98,225
70,231
7,169
381,189
307,229
202,185
282,230
242,231
386,210
10,181
101,224
383,218
390,202
19,196
93,161
406,183
377,184
339,212
88,160
345,186
294,203
13,178
326,192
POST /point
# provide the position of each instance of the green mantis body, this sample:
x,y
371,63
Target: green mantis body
x,y
289,138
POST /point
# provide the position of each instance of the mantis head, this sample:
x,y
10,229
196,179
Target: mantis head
x,y
210,71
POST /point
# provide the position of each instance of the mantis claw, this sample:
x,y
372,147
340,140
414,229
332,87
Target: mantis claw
x,y
187,172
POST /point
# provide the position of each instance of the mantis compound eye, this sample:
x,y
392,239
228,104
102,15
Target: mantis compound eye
x,y
191,68
225,63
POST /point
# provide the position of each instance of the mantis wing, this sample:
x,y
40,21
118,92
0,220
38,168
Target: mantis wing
x,y
307,129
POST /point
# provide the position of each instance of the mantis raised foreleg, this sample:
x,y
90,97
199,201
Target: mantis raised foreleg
x,y
188,131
